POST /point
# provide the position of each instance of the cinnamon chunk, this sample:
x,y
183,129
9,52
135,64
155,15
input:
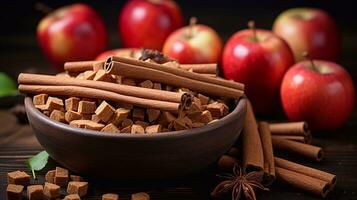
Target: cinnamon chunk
x,y
35,192
72,103
89,75
72,197
140,196
127,122
126,129
87,124
72,115
166,118
137,129
110,128
14,192
95,118
76,178
153,129
61,177
120,115
105,111
110,196
182,124
18,178
50,176
39,99
101,75
153,114
157,86
54,103
58,116
86,107
204,99
138,114
76,187
141,123
51,191
147,84
203,117
195,107
218,109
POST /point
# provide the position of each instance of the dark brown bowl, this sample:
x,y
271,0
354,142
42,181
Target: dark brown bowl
x,y
130,156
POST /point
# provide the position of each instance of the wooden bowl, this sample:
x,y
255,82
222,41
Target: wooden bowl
x,y
136,157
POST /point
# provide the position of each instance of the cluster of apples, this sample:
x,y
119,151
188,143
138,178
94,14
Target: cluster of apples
x,y
269,63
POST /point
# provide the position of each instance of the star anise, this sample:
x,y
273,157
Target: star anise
x,y
154,55
238,183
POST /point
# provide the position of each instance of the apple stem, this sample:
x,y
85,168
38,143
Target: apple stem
x,y
43,8
307,56
251,25
193,22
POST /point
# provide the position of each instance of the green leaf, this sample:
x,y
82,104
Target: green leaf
x,y
38,162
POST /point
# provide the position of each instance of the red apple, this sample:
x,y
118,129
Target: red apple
x,y
194,44
147,23
124,52
259,59
71,33
321,93
311,30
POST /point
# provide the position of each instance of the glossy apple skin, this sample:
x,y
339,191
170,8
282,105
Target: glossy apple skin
x,y
317,33
125,52
325,101
71,33
204,46
259,65
147,23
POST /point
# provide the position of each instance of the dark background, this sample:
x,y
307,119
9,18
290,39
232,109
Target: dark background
x,y
19,20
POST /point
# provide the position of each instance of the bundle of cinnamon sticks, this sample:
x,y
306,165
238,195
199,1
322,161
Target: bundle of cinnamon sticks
x,y
261,140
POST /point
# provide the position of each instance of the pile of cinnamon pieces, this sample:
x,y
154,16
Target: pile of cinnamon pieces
x,y
259,141
151,94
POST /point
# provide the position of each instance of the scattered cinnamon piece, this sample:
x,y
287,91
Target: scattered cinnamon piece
x,y
86,107
54,103
51,191
72,197
50,176
182,124
157,86
35,192
110,128
127,122
76,187
95,118
58,116
14,192
101,75
39,99
110,196
126,129
76,178
89,75
166,118
204,100
140,196
98,65
61,177
195,106
18,178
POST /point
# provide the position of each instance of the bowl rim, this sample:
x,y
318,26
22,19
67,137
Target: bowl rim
x,y
240,107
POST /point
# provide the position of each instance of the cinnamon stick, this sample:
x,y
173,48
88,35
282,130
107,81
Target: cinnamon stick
x,y
296,138
209,68
269,166
306,183
308,171
162,95
99,94
289,128
307,150
253,158
139,72
80,66
175,71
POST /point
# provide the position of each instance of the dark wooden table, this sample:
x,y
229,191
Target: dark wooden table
x,y
19,52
